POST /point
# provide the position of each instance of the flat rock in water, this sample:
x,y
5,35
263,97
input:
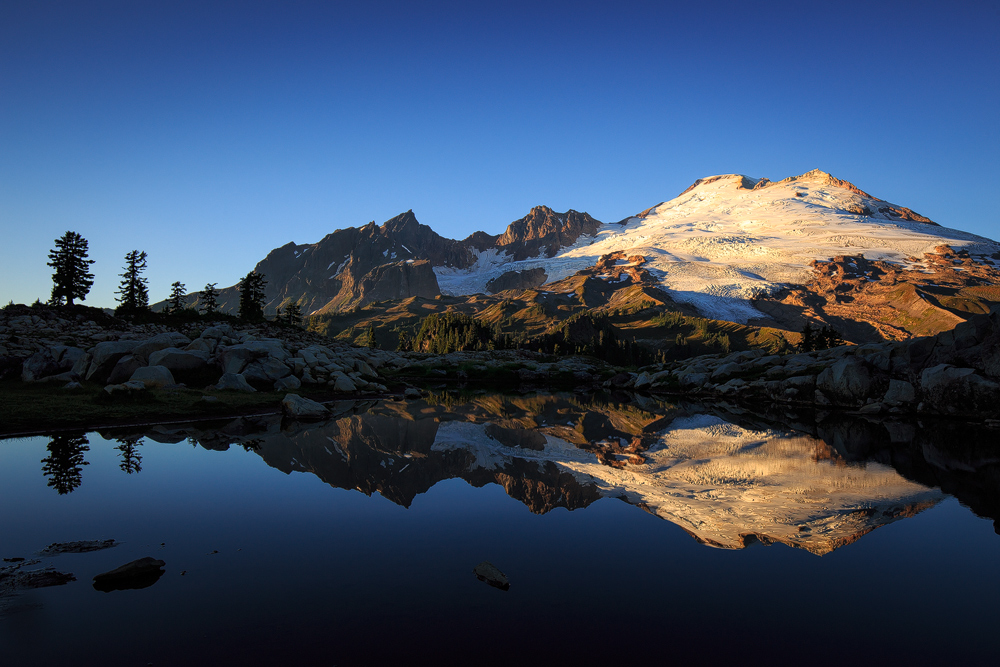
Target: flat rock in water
x,y
79,547
294,405
140,573
488,572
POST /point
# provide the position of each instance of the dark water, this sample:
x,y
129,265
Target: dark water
x,y
629,532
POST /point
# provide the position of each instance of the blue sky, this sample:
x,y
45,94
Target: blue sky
x,y
208,133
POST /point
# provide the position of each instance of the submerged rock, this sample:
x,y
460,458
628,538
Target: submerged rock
x,y
140,573
78,547
488,572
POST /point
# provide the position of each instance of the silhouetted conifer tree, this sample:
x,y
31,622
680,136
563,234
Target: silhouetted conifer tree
x,y
209,299
252,297
72,278
178,297
808,338
132,290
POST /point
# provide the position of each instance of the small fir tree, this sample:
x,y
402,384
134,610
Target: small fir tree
x,y
252,297
72,278
178,297
292,314
808,338
210,299
831,337
133,291
369,338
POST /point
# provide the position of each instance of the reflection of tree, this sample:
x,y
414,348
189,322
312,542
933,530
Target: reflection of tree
x,y
64,464
131,458
252,445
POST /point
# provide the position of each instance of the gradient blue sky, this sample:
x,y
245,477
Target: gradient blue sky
x,y
209,133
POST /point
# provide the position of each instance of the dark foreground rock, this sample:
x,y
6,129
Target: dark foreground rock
x,y
488,572
141,573
79,547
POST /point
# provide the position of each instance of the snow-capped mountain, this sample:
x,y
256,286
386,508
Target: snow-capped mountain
x,y
730,239
779,254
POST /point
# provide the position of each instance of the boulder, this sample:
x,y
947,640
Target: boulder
x,y
217,332
343,383
265,372
206,345
643,381
140,573
179,360
488,572
159,342
900,392
273,349
726,370
233,382
105,355
287,383
366,370
235,358
124,369
849,381
411,393
300,407
959,391
39,365
153,376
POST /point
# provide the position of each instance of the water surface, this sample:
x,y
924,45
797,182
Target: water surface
x,y
629,531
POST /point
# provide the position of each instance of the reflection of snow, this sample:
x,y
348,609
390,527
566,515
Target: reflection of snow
x,y
721,482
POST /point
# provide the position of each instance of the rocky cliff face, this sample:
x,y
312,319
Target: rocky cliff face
x,y
545,232
395,260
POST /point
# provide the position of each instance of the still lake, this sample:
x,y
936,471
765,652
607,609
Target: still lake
x,y
630,530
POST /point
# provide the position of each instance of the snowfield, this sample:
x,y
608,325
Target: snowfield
x,y
719,245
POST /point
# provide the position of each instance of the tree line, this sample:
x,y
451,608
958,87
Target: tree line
x,y
72,280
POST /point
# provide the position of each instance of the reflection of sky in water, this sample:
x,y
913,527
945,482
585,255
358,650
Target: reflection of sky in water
x,y
306,571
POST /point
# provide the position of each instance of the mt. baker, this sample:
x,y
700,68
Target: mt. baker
x,y
810,247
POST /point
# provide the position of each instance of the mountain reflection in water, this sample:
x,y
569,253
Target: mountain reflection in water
x,y
728,478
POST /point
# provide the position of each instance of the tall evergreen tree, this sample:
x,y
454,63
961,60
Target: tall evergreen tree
x,y
210,299
72,278
178,297
252,297
134,295
292,314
